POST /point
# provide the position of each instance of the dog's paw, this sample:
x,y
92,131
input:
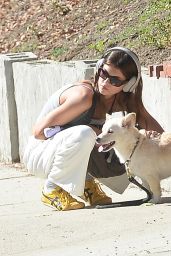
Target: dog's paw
x,y
155,199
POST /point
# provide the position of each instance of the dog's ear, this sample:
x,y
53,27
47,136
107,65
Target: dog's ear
x,y
129,120
108,116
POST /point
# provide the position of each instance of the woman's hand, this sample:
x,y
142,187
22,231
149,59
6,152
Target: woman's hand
x,y
150,134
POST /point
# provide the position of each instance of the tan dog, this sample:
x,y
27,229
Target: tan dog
x,y
150,158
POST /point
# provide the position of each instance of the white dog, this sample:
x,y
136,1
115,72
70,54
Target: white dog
x,y
148,158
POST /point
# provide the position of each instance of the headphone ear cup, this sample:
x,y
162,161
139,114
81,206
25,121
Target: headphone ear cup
x,y
130,85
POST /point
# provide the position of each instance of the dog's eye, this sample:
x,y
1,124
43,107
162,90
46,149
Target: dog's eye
x,y
110,131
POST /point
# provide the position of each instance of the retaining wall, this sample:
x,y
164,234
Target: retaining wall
x,y
157,99
9,143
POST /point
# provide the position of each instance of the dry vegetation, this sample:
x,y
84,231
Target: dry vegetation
x,y
83,29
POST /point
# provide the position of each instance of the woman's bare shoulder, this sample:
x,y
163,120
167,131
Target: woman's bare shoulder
x,y
79,90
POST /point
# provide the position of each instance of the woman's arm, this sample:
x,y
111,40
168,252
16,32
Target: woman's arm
x,y
74,102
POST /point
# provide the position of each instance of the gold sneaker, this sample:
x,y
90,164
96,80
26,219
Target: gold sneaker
x,y
61,200
94,194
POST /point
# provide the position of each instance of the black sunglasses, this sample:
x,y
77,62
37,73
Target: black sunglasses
x,y
113,79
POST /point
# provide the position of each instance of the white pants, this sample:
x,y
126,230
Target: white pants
x,y
63,159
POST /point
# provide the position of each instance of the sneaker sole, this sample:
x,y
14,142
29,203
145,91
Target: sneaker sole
x,y
51,206
55,208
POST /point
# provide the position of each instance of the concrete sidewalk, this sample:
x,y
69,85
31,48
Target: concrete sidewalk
x,y
28,228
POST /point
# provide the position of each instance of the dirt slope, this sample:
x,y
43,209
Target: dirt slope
x,y
75,29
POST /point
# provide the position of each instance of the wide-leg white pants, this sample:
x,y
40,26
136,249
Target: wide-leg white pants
x,y
62,159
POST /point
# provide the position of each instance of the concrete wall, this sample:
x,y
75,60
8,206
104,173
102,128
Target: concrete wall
x,y
157,99
25,86
9,144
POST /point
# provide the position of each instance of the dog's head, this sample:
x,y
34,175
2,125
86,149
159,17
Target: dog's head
x,y
115,130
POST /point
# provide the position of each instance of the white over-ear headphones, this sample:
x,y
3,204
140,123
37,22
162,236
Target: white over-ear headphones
x,y
133,82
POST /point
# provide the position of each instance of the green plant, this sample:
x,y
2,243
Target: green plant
x,y
127,1
58,51
98,46
102,25
155,24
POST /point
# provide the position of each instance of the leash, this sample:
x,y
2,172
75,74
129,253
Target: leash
x,y
135,182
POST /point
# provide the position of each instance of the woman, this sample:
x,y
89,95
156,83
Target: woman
x,y
65,133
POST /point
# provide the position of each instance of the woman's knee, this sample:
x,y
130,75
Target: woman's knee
x,y
84,134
